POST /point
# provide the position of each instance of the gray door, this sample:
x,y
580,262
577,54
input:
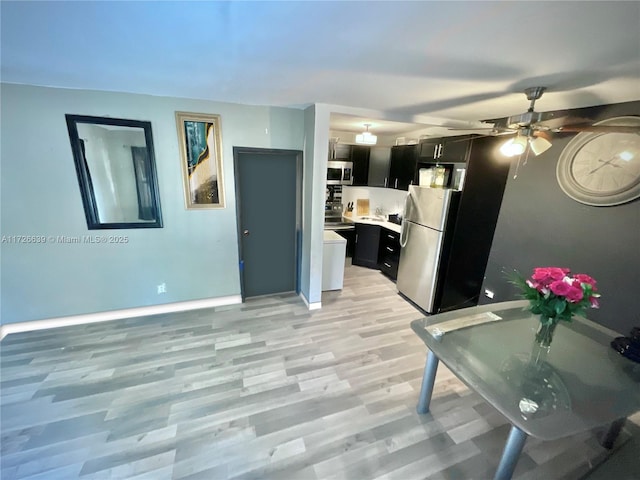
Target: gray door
x,y
267,192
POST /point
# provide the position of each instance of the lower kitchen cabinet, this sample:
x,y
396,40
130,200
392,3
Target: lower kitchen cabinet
x,y
350,236
389,253
367,245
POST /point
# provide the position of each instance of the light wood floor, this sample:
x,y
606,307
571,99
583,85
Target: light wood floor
x,y
262,390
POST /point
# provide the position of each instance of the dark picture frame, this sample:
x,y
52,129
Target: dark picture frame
x,y
134,163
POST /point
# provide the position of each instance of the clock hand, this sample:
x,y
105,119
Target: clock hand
x,y
608,162
612,164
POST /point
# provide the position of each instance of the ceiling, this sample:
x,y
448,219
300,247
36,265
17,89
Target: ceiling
x,y
406,61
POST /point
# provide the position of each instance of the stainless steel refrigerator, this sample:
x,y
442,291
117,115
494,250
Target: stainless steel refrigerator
x,y
427,226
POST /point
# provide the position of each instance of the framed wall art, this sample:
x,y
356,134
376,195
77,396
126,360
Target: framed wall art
x,y
200,144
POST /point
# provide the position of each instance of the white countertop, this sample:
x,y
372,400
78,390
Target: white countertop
x,y
394,227
332,237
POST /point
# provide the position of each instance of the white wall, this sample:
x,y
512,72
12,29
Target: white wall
x,y
316,152
195,253
388,199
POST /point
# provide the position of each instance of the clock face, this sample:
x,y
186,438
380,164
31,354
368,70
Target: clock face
x,y
602,169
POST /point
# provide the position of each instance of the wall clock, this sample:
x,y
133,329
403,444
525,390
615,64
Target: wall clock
x,y
602,169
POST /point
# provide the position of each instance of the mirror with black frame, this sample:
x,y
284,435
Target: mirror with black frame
x,y
116,171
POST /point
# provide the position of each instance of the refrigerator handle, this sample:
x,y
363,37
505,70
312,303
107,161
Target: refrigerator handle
x,y
403,237
407,205
403,228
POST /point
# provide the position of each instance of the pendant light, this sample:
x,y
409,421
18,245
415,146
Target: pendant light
x,y
366,137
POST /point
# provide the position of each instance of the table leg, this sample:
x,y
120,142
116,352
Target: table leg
x,y
510,454
609,437
428,379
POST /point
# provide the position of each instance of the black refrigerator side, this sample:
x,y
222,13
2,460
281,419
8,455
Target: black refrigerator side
x,y
469,241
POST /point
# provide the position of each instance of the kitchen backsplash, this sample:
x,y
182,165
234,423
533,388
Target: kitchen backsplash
x,y
387,199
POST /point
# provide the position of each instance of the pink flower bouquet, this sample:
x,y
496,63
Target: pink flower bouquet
x,y
556,294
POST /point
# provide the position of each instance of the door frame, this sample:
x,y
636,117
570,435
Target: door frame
x,y
237,153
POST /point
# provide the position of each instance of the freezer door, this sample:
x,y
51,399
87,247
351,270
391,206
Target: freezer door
x,y
418,269
428,206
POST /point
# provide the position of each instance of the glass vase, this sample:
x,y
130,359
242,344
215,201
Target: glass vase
x,y
544,335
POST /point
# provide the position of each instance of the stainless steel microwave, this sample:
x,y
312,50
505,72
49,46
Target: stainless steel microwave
x,y
339,173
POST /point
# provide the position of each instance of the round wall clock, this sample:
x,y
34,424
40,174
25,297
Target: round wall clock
x,y
602,169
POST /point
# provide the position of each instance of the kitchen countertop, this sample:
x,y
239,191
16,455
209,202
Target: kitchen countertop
x,y
332,237
394,227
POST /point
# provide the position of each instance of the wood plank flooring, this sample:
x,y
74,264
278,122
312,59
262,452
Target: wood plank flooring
x,y
266,389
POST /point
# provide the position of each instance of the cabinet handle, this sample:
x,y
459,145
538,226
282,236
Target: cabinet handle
x,y
391,237
435,151
440,150
396,184
356,238
390,249
387,265
386,182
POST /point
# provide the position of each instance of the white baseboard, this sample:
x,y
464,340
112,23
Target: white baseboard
x,y
117,314
310,306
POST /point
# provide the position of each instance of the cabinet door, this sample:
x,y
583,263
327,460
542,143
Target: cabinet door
x,y
350,236
402,170
455,149
395,166
408,165
360,159
367,245
429,150
447,149
341,151
379,160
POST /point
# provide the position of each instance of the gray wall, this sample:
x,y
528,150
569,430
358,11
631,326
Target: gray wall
x,y
196,252
540,226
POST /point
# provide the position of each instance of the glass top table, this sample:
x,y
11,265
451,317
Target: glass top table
x,y
578,384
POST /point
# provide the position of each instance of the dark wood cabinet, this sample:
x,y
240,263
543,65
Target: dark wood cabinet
x,y
379,159
446,149
339,151
389,253
360,159
367,245
402,168
350,237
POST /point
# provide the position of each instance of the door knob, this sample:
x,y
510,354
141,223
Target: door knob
x,y
245,233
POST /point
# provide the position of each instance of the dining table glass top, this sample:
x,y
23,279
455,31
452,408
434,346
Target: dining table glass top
x,y
578,384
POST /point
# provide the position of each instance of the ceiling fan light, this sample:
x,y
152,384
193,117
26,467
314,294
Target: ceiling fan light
x,y
514,146
539,145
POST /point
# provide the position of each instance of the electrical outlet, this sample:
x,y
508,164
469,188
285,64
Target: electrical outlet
x,y
162,288
488,293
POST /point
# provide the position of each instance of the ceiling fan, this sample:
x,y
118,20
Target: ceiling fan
x,y
535,129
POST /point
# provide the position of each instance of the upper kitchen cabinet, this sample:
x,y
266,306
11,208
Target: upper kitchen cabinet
x,y
360,159
339,151
379,159
359,156
445,150
402,170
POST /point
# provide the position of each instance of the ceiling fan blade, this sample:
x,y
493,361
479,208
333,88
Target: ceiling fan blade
x,y
599,129
558,122
489,131
469,129
544,134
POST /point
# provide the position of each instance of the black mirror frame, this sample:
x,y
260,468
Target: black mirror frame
x,y
84,178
